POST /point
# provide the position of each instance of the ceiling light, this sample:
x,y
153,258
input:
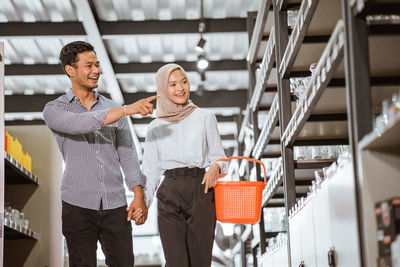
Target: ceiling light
x,y
200,90
203,76
202,62
200,45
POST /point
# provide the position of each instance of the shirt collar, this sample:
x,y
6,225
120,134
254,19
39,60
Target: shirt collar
x,y
71,95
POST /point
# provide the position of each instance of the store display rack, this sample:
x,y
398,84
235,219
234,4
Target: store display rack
x,y
376,154
17,174
14,231
325,115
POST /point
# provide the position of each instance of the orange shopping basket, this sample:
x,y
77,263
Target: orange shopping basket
x,y
239,201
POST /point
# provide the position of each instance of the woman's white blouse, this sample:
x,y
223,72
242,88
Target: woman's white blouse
x,y
191,142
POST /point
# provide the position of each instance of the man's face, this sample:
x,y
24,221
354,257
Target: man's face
x,y
86,71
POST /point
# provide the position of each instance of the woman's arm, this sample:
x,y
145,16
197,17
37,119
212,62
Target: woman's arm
x,y
215,152
151,166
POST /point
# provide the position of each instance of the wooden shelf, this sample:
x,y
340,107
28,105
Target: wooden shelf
x,y
388,141
13,231
16,174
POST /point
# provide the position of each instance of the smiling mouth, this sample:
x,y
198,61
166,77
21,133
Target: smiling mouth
x,y
94,78
180,94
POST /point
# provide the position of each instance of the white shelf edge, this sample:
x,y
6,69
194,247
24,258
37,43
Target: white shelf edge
x,y
244,124
28,232
269,126
18,165
258,29
236,248
246,233
273,184
326,68
265,70
373,136
306,11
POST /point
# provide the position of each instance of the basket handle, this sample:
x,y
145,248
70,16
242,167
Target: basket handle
x,y
249,159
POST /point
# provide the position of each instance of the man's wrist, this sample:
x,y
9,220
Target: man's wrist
x,y
138,191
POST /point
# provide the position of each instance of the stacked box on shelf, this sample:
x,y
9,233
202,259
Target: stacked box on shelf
x,y
14,149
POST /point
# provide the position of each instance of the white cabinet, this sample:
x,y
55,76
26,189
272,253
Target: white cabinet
x,y
322,226
307,235
296,254
276,258
327,221
344,230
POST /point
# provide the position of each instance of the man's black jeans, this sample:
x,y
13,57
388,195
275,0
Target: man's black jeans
x,y
82,229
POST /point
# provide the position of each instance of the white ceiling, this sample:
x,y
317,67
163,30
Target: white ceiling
x,y
139,48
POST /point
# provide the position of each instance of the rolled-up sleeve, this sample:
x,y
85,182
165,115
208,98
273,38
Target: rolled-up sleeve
x,y
215,148
128,156
60,119
151,167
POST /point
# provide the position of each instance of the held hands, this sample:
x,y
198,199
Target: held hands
x,y
137,210
142,107
211,177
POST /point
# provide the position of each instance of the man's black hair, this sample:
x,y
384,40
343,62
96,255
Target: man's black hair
x,y
69,53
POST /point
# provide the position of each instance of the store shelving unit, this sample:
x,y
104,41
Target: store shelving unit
x,y
17,174
2,147
13,231
326,114
352,77
369,66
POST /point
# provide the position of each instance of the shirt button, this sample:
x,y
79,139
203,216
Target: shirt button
x,y
101,165
97,152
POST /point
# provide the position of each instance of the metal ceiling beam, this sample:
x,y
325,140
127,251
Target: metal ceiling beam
x,y
121,27
226,64
41,28
89,23
55,69
221,98
171,26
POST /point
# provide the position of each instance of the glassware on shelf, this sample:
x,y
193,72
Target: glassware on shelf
x,y
316,152
8,213
25,224
292,17
15,215
329,171
385,112
319,175
396,101
390,113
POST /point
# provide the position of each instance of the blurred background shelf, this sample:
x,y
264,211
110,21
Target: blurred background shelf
x,y
16,174
13,231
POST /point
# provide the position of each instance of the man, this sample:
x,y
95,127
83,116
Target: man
x,y
94,138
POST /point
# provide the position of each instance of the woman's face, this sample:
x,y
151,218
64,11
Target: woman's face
x,y
178,87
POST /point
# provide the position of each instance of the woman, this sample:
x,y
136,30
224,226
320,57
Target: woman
x,y
180,144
